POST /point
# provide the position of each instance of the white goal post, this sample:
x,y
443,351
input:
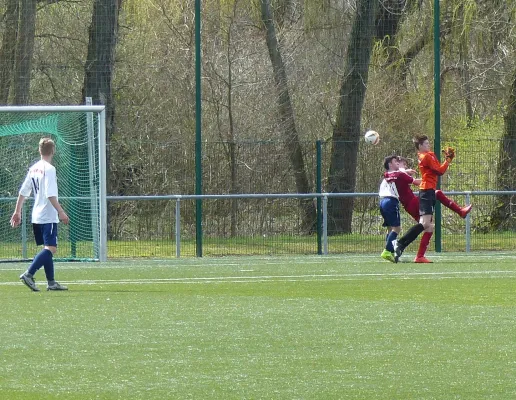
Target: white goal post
x,y
80,136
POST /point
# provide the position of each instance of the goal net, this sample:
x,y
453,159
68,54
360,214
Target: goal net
x,y
79,134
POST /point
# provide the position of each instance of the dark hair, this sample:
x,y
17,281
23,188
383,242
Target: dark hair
x,y
418,140
387,160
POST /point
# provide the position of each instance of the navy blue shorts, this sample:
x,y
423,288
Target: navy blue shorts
x,y
390,210
45,234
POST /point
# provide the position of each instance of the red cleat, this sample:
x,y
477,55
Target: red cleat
x,y
465,210
422,260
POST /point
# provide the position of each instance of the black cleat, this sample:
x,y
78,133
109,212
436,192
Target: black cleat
x,y
398,250
29,282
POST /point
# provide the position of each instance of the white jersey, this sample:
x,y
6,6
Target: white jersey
x,y
388,189
41,180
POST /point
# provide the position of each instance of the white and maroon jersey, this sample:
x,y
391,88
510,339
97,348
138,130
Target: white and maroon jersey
x,y
388,189
401,181
42,182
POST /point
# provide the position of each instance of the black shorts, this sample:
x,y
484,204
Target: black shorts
x,y
426,202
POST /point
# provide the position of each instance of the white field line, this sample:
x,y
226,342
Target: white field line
x,y
294,278
247,263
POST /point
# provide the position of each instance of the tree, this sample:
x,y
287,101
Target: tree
x,y
24,51
17,51
503,217
100,62
286,112
8,50
346,132
221,84
388,25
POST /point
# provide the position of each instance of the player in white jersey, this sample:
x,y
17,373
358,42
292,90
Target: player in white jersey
x,y
41,181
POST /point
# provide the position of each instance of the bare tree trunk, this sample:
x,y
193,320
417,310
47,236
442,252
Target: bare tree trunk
x,y
100,60
232,144
346,132
100,63
466,82
8,50
227,134
285,12
24,52
504,215
388,21
402,61
464,70
390,17
291,139
234,188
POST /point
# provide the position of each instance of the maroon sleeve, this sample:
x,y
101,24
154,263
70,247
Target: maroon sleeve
x,y
406,178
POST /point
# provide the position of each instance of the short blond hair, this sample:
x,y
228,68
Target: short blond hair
x,y
47,146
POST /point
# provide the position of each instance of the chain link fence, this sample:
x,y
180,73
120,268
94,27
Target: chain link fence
x,y
275,225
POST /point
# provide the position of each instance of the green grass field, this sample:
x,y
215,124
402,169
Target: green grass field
x,y
337,327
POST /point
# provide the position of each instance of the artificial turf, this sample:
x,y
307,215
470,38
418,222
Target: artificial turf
x,y
335,327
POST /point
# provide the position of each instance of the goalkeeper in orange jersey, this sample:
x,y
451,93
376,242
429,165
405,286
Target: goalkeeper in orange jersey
x,y
430,169
410,201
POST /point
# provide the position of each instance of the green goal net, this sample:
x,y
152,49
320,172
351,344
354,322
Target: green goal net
x,y
79,134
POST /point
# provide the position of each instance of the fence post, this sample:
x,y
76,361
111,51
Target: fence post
x,y
325,224
24,232
468,224
178,227
198,130
437,117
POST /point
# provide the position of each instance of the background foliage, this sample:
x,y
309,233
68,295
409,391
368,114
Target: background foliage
x,y
152,95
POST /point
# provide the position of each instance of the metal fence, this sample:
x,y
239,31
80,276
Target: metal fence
x,y
164,167
264,217
258,220
270,224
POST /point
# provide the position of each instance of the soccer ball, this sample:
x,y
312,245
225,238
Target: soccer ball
x,y
372,137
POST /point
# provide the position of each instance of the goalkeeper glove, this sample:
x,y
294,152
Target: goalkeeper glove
x,y
449,153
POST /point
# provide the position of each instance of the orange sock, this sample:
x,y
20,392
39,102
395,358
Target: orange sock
x,y
423,245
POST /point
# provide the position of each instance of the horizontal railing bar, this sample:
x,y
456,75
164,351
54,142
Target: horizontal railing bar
x,y
36,109
264,196
283,195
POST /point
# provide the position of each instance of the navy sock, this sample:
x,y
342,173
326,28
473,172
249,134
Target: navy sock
x,y
49,267
40,260
390,237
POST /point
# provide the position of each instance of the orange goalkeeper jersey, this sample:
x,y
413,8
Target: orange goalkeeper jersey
x,y
431,169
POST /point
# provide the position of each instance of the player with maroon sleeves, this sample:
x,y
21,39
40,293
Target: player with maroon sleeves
x,y
393,189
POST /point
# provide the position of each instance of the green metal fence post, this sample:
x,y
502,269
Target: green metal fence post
x,y
437,114
198,136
